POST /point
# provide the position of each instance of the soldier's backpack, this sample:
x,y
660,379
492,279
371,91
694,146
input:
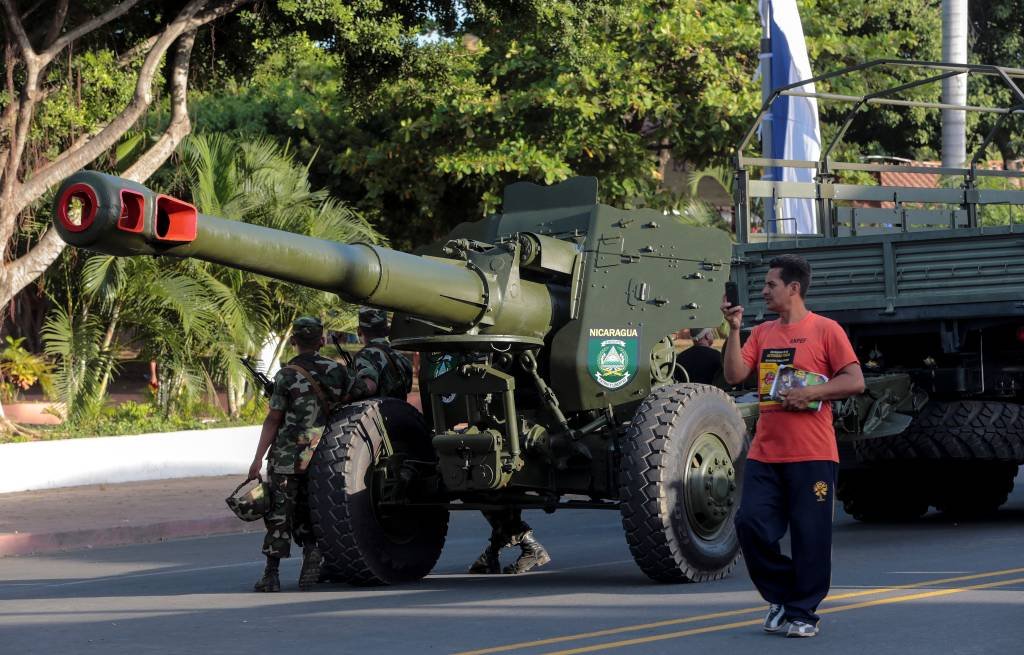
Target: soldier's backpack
x,y
396,372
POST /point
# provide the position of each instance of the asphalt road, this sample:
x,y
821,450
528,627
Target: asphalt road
x,y
929,587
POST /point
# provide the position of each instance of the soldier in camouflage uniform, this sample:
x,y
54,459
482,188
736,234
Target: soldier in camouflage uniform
x,y
293,425
508,529
389,370
379,363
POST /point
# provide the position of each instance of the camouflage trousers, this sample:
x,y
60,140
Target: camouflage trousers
x,y
506,524
288,519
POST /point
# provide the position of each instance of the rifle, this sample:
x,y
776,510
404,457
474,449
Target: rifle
x,y
345,355
261,379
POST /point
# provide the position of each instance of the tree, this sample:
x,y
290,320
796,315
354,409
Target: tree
x,y
44,90
996,38
458,104
196,318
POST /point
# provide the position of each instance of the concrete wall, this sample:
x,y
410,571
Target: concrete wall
x,y
99,460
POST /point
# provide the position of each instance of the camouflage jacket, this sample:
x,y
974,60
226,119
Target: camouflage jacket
x,y
391,370
303,416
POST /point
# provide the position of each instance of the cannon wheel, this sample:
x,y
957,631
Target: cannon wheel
x,y
679,483
361,545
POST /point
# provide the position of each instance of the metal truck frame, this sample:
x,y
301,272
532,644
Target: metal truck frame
x,y
931,292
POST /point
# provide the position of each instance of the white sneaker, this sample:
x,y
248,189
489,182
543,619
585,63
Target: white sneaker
x,y
801,629
775,619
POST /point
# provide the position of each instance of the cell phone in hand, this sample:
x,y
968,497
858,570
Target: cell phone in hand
x,y
732,293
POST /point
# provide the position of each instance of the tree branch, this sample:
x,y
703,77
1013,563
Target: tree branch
x,y
217,12
14,197
90,25
57,23
15,26
28,12
180,125
23,271
7,120
126,57
71,160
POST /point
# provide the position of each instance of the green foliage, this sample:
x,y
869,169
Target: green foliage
x,y
91,91
20,369
429,109
996,38
73,338
195,319
131,418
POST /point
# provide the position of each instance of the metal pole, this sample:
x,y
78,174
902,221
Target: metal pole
x,y
766,78
954,89
767,212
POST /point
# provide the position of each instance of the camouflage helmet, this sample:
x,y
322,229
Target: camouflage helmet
x,y
373,319
307,326
253,505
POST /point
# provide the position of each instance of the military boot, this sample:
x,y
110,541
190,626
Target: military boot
x,y
309,575
533,554
270,580
488,561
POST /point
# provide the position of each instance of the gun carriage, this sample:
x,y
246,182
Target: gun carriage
x,y
546,376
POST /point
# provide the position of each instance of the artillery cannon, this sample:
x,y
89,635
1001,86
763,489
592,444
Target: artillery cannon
x,y
546,377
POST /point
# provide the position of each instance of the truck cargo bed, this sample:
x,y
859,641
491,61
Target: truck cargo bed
x,y
901,276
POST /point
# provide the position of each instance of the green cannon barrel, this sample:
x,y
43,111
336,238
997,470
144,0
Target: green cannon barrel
x,y
110,215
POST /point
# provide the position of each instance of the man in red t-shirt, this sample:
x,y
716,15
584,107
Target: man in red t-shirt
x,y
802,361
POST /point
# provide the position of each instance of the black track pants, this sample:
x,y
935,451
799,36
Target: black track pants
x,y
799,497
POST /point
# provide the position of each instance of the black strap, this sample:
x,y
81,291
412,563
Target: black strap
x,y
325,405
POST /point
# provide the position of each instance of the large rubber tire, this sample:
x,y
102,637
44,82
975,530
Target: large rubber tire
x,y
360,545
883,493
965,455
972,489
961,430
683,437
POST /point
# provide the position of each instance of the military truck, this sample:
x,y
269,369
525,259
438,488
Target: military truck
x,y
928,281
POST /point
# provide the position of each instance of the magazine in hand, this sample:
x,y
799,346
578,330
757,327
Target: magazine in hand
x,y
790,377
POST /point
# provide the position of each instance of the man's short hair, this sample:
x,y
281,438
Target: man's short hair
x,y
793,268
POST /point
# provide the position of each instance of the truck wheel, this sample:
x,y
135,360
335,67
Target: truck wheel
x,y
362,545
973,489
961,430
969,451
679,483
877,494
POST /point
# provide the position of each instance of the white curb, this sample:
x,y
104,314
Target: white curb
x,y
100,460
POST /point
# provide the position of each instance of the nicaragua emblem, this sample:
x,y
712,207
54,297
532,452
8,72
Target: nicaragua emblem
x,y
821,490
612,361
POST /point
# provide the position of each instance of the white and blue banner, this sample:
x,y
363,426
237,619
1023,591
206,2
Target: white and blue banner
x,y
794,120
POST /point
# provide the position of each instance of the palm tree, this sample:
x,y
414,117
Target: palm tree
x,y
258,181
197,318
696,211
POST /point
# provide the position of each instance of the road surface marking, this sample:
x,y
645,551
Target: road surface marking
x,y
755,622
725,614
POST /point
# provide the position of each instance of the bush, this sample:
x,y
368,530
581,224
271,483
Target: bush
x,y
130,418
20,369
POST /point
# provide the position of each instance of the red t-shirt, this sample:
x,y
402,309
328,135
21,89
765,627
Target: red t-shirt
x,y
816,344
